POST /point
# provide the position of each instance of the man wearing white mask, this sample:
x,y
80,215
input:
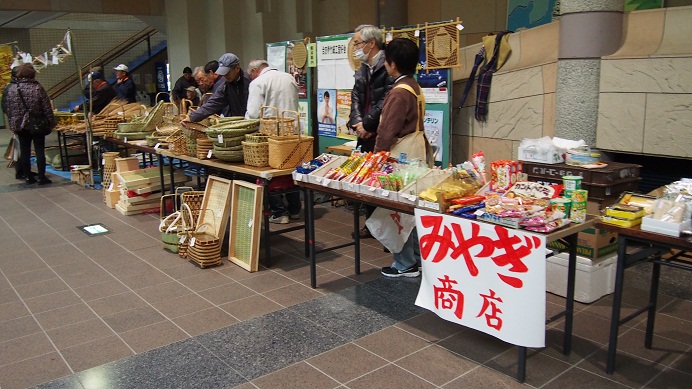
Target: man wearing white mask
x,y
371,86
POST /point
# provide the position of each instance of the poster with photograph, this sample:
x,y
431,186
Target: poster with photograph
x,y
434,85
303,112
326,112
434,127
343,111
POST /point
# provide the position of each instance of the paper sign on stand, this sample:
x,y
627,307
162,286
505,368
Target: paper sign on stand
x,y
483,276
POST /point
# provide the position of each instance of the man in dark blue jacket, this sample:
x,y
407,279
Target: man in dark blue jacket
x,y
125,87
233,94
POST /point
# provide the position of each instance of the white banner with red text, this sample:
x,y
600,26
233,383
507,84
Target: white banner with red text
x,y
483,276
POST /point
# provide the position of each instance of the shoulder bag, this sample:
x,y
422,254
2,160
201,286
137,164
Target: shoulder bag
x,y
37,123
415,145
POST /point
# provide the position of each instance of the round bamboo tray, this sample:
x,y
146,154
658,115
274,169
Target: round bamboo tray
x,y
229,156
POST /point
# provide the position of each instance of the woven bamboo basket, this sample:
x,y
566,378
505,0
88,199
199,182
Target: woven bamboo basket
x,y
108,168
132,135
256,154
273,124
177,143
229,134
205,247
111,125
227,141
288,125
193,199
230,148
130,127
289,151
170,226
229,156
256,137
204,145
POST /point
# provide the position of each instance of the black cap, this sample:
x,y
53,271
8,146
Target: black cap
x,y
187,70
97,76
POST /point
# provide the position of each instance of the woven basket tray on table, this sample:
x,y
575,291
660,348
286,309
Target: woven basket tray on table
x,y
138,130
227,138
204,146
193,132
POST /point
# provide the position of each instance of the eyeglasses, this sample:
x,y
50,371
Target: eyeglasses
x,y
359,43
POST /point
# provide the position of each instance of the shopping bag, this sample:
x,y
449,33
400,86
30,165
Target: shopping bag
x,y
391,228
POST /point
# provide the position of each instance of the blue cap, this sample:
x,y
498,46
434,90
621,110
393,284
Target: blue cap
x,y
226,62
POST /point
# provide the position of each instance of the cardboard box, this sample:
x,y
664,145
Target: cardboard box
x,y
126,164
534,154
665,228
594,279
591,243
317,176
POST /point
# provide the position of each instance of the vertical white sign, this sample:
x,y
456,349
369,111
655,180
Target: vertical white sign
x,y
483,276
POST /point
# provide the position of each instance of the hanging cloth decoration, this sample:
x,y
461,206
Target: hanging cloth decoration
x,y
54,56
485,76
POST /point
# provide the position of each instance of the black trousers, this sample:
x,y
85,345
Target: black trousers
x,y
39,141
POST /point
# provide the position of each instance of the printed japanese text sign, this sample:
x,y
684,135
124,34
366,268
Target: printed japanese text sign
x,y
483,276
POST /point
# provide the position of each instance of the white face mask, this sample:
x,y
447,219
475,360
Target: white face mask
x,y
361,55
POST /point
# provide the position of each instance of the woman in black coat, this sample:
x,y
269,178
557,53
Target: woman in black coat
x,y
24,97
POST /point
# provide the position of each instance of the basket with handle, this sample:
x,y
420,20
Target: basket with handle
x,y
269,120
290,151
204,246
193,199
177,143
170,226
288,125
187,225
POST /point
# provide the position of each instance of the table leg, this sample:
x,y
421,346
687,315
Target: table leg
x,y
162,174
653,295
310,227
172,171
305,223
521,368
569,304
356,236
617,302
266,211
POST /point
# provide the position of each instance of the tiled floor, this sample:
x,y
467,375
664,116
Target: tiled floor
x,y
116,311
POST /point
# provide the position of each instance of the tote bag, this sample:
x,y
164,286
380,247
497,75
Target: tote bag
x,y
415,144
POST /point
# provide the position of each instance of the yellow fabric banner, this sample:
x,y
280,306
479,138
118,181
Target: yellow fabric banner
x,y
6,59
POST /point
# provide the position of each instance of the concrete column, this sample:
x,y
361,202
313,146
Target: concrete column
x,y
589,29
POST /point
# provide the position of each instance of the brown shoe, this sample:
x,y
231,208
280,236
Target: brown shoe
x,y
364,233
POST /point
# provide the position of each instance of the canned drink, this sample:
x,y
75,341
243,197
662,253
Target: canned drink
x,y
578,212
571,183
561,204
580,195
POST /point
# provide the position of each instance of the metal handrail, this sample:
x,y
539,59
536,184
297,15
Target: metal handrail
x,y
73,79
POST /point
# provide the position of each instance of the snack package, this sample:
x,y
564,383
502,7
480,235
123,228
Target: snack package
x,y
478,161
504,174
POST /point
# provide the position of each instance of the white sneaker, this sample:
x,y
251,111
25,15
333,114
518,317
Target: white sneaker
x,y
279,220
294,217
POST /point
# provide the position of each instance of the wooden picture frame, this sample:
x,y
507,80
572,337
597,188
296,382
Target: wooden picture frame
x,y
214,209
246,223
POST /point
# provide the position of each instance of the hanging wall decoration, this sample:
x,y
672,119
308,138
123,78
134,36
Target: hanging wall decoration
x,y
442,50
54,56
